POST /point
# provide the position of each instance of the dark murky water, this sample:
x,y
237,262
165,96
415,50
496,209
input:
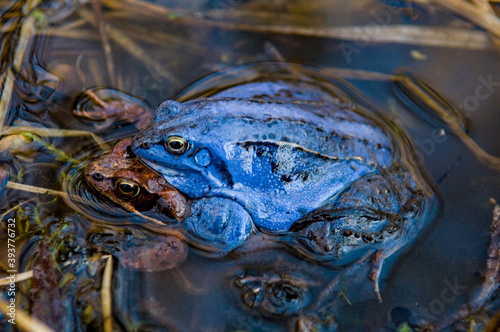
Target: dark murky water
x,y
155,55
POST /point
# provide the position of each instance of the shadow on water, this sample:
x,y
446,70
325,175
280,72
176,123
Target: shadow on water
x,y
52,52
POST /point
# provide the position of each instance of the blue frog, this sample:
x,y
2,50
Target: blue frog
x,y
280,159
300,159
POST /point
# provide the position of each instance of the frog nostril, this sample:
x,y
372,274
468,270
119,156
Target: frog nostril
x,y
97,176
145,146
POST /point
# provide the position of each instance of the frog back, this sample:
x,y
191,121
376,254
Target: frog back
x,y
221,124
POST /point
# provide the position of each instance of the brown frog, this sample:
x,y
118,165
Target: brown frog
x,y
118,107
139,249
121,177
126,181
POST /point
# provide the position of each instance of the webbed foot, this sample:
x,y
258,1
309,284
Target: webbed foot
x,y
219,222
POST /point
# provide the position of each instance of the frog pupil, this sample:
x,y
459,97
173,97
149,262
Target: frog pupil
x,y
176,145
127,189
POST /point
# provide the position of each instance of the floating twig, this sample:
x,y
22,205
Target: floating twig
x,y
33,189
416,89
19,277
480,16
9,26
39,190
25,36
24,321
97,7
159,37
484,4
154,67
493,325
360,74
53,132
15,207
30,5
51,148
70,34
143,8
296,19
72,25
8,87
401,34
106,294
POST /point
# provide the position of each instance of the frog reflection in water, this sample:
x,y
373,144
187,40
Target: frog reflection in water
x,y
121,177
296,159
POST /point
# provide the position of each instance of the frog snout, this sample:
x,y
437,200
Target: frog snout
x,y
137,145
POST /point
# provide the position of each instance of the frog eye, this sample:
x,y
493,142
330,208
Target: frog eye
x,y
127,188
176,144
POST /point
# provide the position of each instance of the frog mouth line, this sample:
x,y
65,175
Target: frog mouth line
x,y
172,173
163,170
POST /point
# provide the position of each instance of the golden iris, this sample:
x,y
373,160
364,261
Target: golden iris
x,y
176,145
127,188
